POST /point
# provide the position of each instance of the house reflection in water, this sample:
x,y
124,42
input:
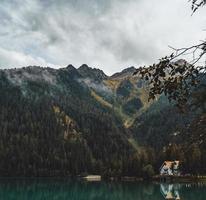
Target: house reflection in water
x,y
170,191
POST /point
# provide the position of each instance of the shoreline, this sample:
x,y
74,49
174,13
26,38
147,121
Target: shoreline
x,y
99,178
179,179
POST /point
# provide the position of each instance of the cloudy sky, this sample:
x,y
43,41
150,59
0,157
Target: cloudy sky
x,y
108,34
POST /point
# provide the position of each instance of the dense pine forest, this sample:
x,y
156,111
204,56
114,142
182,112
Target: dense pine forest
x,y
68,122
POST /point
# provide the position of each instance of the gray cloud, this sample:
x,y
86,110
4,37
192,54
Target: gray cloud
x,y
107,34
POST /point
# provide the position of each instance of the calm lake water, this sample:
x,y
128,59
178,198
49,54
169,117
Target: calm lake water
x,y
78,190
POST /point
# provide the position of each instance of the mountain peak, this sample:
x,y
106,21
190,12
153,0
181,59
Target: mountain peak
x,y
70,66
84,66
92,73
124,73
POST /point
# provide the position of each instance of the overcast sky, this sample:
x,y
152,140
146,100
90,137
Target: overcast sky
x,y
107,34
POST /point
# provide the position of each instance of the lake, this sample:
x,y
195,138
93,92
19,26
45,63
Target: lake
x,y
80,190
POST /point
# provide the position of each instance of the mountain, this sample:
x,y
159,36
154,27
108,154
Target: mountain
x,y
54,123
75,121
124,73
92,73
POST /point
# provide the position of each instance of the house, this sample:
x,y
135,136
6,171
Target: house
x,y
170,168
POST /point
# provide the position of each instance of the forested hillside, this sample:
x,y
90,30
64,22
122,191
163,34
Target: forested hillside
x,y
68,121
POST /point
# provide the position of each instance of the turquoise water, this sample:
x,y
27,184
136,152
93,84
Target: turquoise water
x,y
78,190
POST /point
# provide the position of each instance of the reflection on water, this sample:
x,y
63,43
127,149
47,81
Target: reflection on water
x,y
170,191
192,191
51,189
76,190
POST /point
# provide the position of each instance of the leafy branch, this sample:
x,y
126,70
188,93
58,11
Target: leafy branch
x,y
197,52
173,79
177,78
196,4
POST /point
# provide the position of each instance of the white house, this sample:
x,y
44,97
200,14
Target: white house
x,y
171,168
